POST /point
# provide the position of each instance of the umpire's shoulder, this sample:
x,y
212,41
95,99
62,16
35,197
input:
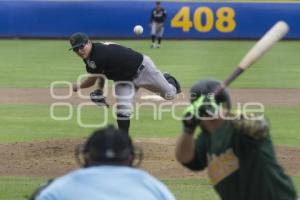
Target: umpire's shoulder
x,y
40,189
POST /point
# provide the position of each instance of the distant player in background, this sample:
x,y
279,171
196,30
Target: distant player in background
x,y
157,19
108,172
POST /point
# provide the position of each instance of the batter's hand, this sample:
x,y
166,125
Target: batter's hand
x,y
189,123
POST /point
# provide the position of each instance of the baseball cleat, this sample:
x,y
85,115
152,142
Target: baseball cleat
x,y
172,80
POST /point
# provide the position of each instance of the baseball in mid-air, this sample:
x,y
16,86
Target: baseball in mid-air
x,y
138,30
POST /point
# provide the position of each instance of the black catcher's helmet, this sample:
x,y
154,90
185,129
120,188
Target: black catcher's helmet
x,y
108,146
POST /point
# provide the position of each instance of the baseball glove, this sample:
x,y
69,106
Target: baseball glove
x,y
98,98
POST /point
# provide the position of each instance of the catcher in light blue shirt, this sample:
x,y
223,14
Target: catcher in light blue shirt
x,y
108,159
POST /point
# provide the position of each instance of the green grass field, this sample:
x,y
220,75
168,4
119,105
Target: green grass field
x,y
28,122
38,63
35,64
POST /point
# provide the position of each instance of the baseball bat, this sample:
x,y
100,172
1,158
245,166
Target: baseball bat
x,y
277,32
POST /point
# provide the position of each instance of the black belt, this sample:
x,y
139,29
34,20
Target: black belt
x,y
141,67
139,70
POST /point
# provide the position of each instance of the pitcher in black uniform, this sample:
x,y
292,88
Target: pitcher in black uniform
x,y
128,68
157,19
237,151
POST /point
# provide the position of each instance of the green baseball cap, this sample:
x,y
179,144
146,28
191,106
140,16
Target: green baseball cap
x,y
78,39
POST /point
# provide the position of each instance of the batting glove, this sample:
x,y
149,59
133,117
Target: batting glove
x,y
189,123
204,106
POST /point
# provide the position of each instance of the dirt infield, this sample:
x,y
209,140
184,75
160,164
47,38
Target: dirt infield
x,y
270,97
56,157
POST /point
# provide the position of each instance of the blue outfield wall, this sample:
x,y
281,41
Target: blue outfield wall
x,y
117,18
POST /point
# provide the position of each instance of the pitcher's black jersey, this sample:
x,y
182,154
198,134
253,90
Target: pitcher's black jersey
x,y
116,62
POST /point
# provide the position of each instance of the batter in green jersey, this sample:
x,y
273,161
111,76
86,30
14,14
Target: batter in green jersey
x,y
236,150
